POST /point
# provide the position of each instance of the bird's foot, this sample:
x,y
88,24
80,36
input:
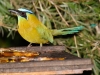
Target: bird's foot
x,y
30,45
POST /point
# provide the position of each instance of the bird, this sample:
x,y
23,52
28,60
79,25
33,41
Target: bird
x,y
34,31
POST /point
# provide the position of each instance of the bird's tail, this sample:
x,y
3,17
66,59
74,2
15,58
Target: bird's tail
x,y
66,31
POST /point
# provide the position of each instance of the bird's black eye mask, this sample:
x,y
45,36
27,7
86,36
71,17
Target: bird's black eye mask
x,y
23,14
17,12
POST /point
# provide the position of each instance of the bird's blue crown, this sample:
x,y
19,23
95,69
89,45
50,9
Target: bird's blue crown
x,y
25,10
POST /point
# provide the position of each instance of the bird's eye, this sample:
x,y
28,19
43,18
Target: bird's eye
x,y
23,13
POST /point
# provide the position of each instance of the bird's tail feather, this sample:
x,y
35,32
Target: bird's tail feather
x,y
66,31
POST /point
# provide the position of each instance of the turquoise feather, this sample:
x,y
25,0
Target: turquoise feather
x,y
66,31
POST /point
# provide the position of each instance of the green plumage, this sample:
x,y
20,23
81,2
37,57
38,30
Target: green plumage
x,y
66,31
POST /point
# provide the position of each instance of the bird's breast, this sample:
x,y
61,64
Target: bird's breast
x,y
29,32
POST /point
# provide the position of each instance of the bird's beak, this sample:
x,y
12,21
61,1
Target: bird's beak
x,y
13,11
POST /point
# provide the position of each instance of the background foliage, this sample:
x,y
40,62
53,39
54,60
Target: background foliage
x,y
58,14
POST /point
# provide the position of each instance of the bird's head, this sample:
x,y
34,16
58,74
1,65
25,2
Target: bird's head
x,y
21,12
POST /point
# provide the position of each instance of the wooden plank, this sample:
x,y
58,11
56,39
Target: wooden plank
x,y
37,48
46,63
77,71
45,68
71,65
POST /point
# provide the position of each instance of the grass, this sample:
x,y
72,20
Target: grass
x,y
60,14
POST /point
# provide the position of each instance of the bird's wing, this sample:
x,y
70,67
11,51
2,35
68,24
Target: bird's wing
x,y
45,33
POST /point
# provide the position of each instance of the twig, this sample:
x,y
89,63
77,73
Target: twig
x,y
73,19
70,15
9,28
59,12
41,6
76,46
